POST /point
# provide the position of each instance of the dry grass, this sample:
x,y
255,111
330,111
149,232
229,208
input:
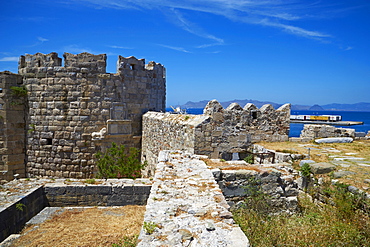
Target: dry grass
x,y
85,227
326,152
318,225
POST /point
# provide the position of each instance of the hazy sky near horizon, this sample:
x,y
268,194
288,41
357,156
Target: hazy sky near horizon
x,y
285,51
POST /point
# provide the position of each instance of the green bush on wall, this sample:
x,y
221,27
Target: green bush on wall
x,y
116,162
19,91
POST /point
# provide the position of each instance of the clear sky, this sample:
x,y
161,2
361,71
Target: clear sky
x,y
285,51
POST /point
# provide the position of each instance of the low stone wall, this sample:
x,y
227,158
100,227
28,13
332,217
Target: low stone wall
x,y
115,194
187,206
313,131
13,216
282,191
27,198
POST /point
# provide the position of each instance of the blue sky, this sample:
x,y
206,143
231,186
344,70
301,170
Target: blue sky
x,y
284,51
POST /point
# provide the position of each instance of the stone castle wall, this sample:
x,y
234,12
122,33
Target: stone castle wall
x,y
12,126
218,133
67,104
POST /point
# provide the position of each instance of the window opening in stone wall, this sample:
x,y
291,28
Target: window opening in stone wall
x,y
1,90
132,66
254,114
49,141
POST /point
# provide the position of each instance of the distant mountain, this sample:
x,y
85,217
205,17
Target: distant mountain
x,y
316,108
362,106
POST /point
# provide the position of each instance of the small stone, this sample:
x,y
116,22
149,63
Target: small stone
x,y
185,234
200,213
191,211
352,189
306,161
226,215
214,214
340,174
210,226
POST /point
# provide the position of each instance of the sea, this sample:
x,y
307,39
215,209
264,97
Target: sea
x,y
296,128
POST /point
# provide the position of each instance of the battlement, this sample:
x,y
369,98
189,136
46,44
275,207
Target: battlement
x,y
249,111
133,64
214,106
40,60
94,63
46,65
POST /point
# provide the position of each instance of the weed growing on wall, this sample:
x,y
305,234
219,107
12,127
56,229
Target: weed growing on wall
x,y
19,91
149,227
118,162
20,206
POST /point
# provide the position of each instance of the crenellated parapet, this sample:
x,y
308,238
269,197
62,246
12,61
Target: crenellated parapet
x,y
236,127
84,64
50,65
40,60
136,66
249,115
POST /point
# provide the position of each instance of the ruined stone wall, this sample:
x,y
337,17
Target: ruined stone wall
x,y
67,104
233,129
313,131
12,126
163,131
281,190
218,133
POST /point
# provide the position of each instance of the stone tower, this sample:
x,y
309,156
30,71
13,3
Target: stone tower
x,y
78,109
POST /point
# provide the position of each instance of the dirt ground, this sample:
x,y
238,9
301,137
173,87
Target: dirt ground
x,y
87,227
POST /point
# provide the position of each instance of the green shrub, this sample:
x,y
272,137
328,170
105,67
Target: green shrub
x,y
305,170
149,227
249,159
90,181
116,162
19,91
127,241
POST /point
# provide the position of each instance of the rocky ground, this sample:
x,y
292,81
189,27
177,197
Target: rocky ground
x,y
349,162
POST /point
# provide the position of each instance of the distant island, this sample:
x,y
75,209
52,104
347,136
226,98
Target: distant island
x,y
362,106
